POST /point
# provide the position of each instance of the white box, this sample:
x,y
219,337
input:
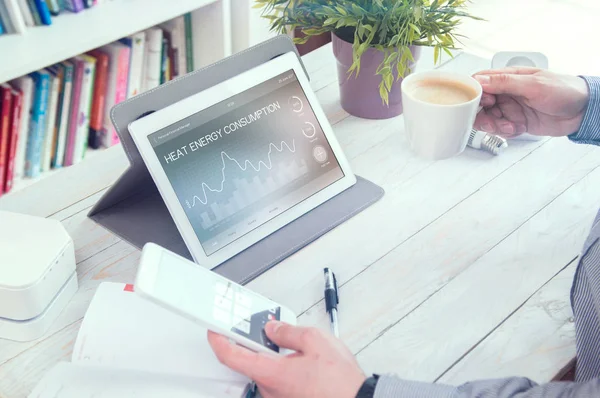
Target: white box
x,y
35,328
37,264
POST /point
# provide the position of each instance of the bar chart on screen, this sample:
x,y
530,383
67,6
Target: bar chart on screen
x,y
248,192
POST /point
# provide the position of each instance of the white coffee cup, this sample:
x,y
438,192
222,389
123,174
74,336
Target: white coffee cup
x,y
438,131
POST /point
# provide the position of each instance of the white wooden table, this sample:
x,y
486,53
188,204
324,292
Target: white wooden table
x,y
461,271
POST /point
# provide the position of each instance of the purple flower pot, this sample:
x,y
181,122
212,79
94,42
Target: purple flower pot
x,y
360,94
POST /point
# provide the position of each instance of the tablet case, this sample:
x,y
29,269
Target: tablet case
x,y
134,210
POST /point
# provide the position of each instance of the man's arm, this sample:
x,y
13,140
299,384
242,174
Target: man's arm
x,y
589,133
516,387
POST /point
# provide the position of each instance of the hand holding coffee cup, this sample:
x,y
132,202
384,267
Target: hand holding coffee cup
x,y
439,111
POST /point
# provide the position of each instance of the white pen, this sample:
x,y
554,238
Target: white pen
x,y
332,300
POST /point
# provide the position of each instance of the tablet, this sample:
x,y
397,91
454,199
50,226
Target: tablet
x,y
238,161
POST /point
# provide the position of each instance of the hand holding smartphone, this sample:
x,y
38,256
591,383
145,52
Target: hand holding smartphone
x,y
218,304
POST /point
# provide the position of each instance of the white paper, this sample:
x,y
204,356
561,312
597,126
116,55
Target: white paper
x,y
123,331
67,380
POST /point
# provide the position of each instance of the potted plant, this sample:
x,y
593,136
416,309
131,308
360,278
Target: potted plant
x,y
376,42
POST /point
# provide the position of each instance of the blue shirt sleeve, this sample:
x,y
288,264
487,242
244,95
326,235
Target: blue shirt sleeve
x,y
589,132
516,387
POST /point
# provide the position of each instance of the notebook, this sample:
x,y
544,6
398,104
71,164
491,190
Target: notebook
x,y
130,347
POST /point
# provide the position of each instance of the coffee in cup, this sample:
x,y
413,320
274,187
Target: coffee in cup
x,y
439,111
442,91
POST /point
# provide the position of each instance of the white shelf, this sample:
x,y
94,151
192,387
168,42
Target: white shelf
x,y
73,34
27,182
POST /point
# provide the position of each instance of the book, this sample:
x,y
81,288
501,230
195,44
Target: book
x,y
17,103
58,72
43,11
34,12
16,16
176,28
63,114
73,5
189,45
53,6
1,27
46,160
5,129
6,20
85,106
136,43
35,140
118,73
71,141
111,355
26,12
99,99
26,85
164,60
152,58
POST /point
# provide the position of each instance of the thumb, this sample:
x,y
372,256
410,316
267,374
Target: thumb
x,y
296,338
509,84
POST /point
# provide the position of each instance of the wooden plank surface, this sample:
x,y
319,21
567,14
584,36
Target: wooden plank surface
x,y
444,243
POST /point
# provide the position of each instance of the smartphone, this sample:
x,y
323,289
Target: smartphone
x,y
215,302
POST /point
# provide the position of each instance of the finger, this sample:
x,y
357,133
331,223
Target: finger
x,y
511,109
505,128
296,338
515,85
519,70
496,112
488,100
254,365
485,122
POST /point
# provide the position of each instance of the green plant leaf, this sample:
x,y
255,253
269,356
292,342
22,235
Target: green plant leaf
x,y
383,93
391,26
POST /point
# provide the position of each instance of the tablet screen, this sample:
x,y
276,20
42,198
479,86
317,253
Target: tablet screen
x,y
240,163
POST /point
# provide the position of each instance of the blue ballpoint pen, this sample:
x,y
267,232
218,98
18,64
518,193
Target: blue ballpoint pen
x,y
332,300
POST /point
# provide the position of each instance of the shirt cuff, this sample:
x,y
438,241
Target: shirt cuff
x,y
391,386
589,132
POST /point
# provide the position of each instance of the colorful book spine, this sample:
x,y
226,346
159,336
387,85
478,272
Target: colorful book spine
x,y
26,12
17,104
64,113
34,12
43,11
26,85
46,161
6,20
98,103
176,27
16,16
73,5
117,87
73,117
136,43
58,72
152,61
189,45
35,140
5,130
53,6
164,60
85,105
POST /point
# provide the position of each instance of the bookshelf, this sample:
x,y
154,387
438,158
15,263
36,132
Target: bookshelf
x,y
73,34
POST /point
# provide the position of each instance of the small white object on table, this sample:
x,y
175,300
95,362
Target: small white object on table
x,y
461,271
